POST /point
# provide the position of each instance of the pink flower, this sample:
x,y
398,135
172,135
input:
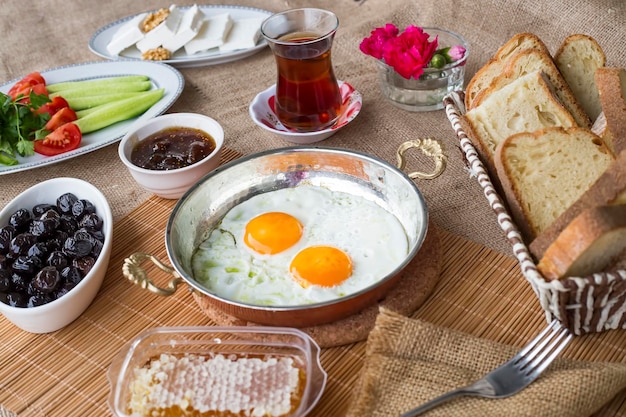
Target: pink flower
x,y
456,52
374,44
410,52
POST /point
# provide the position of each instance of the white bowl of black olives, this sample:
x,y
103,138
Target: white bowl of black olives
x,y
55,245
169,153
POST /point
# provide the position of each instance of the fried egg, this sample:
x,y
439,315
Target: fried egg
x,y
300,245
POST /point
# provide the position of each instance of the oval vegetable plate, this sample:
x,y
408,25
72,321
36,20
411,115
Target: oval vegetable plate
x,y
99,41
161,76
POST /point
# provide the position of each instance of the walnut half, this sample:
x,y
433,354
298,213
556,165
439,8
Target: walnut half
x,y
154,19
157,54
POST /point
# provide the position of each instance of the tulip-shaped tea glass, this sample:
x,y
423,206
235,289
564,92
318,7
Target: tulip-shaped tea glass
x,y
307,93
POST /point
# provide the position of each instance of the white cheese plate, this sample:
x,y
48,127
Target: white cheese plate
x,y
180,59
161,75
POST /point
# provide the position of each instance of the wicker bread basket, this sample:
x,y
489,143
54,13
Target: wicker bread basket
x,y
589,304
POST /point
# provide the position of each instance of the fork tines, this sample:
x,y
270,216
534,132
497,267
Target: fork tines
x,y
540,352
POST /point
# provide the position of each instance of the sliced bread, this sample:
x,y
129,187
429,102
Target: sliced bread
x,y
530,60
610,188
544,172
611,84
578,58
495,65
525,105
587,245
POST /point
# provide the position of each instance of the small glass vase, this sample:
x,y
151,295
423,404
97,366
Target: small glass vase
x,y
425,93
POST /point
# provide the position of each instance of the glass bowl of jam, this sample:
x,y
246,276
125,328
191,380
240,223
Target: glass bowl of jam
x,y
167,154
217,371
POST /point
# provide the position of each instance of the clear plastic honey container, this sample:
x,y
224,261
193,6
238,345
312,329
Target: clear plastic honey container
x,y
217,371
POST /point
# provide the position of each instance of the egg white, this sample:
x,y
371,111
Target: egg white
x,y
372,237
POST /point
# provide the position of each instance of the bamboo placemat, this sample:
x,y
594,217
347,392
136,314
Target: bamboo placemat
x,y
480,292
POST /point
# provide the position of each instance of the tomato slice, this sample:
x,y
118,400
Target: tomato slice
x,y
24,93
24,85
56,104
61,117
64,138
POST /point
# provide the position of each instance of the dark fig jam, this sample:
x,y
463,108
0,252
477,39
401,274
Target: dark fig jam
x,y
172,148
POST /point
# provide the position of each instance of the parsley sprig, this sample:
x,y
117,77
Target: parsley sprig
x,y
20,125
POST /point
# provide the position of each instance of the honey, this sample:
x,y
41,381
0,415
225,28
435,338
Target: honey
x,y
234,385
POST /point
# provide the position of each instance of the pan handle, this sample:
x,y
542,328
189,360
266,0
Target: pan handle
x,y
429,147
133,271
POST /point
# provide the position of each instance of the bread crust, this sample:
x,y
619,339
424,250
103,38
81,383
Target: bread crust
x,y
578,58
611,84
609,188
530,60
587,245
516,177
492,112
494,66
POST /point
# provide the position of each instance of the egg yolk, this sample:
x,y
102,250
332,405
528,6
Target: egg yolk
x,y
325,266
272,232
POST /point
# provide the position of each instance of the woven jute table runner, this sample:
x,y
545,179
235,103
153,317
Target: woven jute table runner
x,y
409,362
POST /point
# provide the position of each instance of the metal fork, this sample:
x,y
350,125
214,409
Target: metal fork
x,y
514,375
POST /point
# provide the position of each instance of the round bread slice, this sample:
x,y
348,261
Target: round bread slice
x,y
544,172
587,245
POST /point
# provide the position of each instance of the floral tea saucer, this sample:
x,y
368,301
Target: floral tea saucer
x,y
262,112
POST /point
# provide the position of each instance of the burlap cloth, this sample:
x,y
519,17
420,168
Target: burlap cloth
x,y
409,362
40,35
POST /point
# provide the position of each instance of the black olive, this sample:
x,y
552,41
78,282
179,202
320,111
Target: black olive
x,y
26,266
50,214
66,235
68,224
38,300
98,234
5,280
96,250
43,228
19,283
20,219
84,264
71,275
57,259
6,235
65,203
39,249
83,207
60,236
91,221
21,243
77,248
47,280
40,209
64,289
16,299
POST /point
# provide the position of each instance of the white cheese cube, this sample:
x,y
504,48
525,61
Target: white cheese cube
x,y
244,34
160,34
212,34
126,35
189,25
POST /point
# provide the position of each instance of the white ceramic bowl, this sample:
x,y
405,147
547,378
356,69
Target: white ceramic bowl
x,y
262,111
172,183
64,310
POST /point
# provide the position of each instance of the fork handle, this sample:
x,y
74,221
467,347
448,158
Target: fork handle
x,y
435,402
